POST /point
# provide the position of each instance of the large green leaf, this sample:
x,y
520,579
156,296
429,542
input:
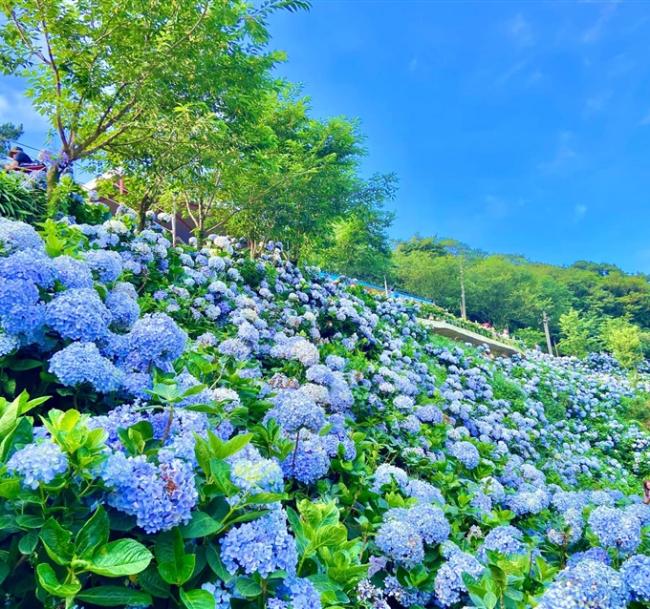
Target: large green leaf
x,y
50,582
201,525
248,587
174,565
93,534
197,599
121,557
114,596
57,542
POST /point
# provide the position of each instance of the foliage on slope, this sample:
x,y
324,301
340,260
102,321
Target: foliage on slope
x,y
205,430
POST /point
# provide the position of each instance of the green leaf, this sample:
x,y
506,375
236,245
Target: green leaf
x,y
234,445
248,587
50,583
93,534
214,561
57,542
25,364
248,516
121,557
20,433
30,521
201,525
114,596
10,488
28,543
174,565
197,599
151,581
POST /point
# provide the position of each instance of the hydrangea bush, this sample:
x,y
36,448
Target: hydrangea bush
x,y
187,427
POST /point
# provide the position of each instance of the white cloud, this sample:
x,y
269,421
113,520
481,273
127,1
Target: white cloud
x,y
511,72
597,103
564,154
580,211
594,32
520,30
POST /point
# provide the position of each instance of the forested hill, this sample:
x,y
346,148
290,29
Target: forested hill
x,y
513,292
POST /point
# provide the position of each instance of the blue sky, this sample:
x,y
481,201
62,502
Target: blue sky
x,y
519,127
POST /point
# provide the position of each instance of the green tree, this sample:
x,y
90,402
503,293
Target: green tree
x,y
624,341
103,73
579,334
298,175
9,133
359,245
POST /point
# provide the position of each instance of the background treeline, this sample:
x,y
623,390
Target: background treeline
x,y
590,306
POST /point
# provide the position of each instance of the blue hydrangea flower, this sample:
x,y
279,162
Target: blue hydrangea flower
x,y
33,265
588,584
616,528
401,542
261,546
296,593
159,496
78,314
309,460
504,539
387,474
105,264
72,273
124,309
335,362
8,344
294,410
449,584
424,492
83,363
137,384
597,554
428,520
466,453
21,314
429,413
15,235
636,574
257,475
154,340
235,347
221,595
38,463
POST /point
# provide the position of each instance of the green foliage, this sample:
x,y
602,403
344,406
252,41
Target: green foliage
x,y
531,337
637,408
579,334
358,245
9,133
19,202
623,340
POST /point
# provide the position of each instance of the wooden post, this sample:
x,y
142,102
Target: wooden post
x,y
385,286
463,306
174,212
547,332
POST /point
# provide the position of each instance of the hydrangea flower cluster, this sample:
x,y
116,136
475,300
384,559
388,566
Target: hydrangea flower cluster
x,y
38,463
587,584
262,546
324,361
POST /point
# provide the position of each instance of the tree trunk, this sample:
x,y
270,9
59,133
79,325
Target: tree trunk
x,y
51,180
143,208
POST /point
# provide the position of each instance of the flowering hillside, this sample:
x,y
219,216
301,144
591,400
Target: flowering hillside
x,y
187,427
